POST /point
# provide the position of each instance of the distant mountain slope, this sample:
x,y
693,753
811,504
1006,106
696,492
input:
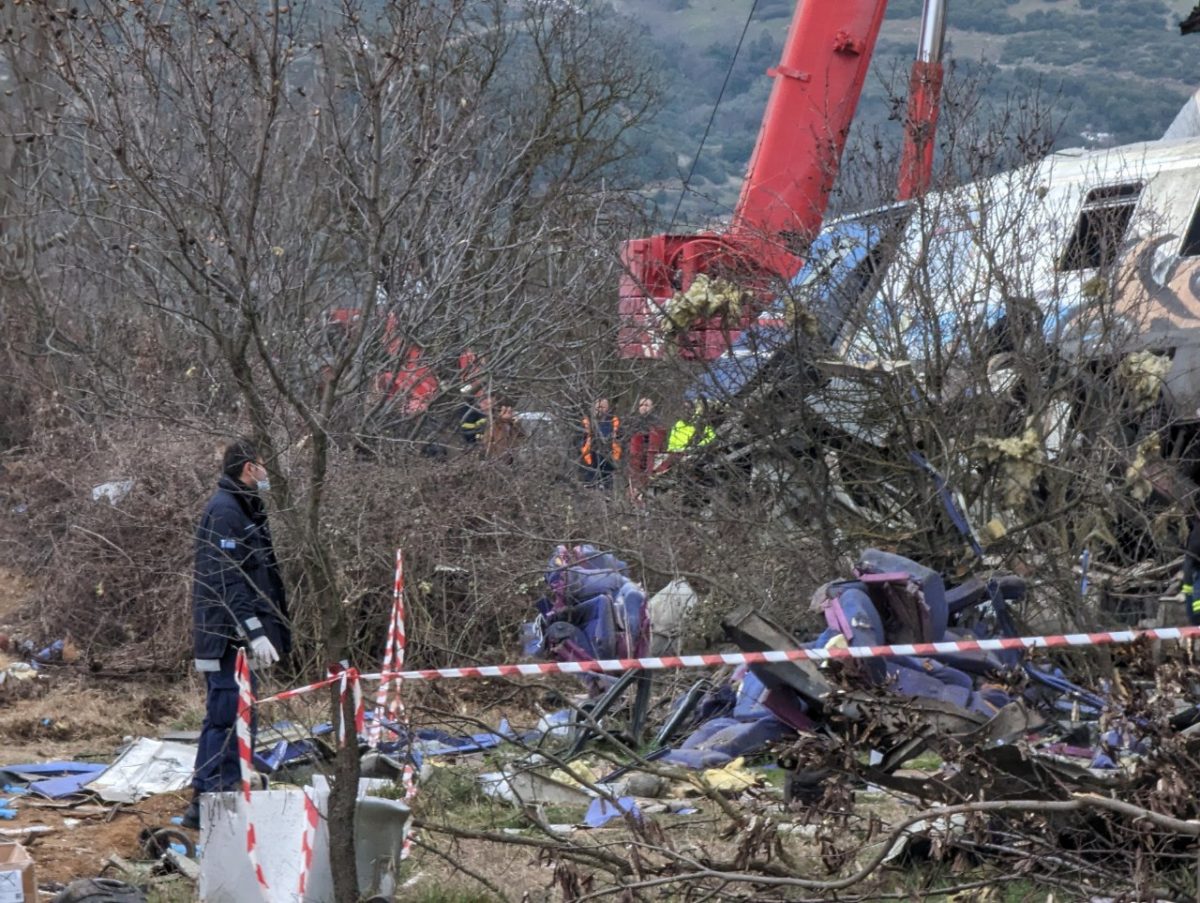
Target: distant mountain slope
x,y
1110,71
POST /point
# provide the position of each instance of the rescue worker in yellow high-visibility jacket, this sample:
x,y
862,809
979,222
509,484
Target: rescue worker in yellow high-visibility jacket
x,y
599,445
1191,564
683,434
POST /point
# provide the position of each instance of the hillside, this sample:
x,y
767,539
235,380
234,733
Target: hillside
x,y
1106,71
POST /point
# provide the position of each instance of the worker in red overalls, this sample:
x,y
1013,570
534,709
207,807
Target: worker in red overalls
x,y
647,438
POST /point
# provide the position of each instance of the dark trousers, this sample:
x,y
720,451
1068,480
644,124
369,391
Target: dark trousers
x,y
599,475
217,767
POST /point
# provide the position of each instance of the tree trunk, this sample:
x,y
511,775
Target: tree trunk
x,y
342,800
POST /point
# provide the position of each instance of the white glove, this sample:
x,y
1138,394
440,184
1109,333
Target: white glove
x,y
263,652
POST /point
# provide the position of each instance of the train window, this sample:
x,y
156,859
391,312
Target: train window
x,y
1101,227
1191,239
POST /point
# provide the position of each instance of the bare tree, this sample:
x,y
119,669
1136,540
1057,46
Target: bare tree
x,y
273,212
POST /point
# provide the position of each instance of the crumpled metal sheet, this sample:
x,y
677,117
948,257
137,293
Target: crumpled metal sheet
x,y
754,632
146,768
1002,772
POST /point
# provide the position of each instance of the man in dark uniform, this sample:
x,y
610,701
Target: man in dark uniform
x,y
237,602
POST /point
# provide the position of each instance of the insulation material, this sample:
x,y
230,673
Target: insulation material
x,y
705,298
995,529
1144,374
1021,459
1148,452
579,771
801,317
731,778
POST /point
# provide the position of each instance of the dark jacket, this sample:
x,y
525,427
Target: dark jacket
x,y
237,593
1191,570
472,424
647,441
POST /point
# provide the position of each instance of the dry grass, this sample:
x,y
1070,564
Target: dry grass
x,y
70,714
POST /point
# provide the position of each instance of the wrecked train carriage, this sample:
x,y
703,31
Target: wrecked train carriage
x,y
997,328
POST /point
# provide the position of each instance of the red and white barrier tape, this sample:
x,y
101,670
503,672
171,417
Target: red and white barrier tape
x,y
303,691
393,658
389,702
311,817
245,715
350,681
674,662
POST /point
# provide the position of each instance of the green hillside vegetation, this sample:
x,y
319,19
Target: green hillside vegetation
x,y
1110,72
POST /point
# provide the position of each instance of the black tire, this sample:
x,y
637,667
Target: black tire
x,y
156,841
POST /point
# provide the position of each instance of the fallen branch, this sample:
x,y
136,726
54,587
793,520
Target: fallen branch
x,y
611,862
1091,800
1078,803
459,867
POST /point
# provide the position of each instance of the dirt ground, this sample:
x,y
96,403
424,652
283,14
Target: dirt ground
x,y
68,714
60,717
81,845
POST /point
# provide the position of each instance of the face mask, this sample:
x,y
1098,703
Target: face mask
x,y
264,485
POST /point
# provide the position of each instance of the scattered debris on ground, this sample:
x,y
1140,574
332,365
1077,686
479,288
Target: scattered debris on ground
x,y
857,776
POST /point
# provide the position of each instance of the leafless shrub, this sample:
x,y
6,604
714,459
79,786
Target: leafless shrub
x,y
105,528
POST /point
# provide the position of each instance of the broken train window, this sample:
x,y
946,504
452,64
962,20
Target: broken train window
x,y
1191,239
1101,227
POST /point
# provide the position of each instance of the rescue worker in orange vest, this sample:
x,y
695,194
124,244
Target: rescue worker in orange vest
x,y
599,445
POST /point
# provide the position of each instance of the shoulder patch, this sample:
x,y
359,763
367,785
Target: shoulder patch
x,y
228,543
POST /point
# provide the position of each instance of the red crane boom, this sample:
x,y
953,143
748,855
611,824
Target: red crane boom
x,y
818,83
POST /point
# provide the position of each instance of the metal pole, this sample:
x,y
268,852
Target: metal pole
x,y
933,31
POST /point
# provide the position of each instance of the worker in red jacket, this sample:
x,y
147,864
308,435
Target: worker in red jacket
x,y
599,444
647,437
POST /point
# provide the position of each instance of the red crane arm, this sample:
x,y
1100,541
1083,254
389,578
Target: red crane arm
x,y
818,82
